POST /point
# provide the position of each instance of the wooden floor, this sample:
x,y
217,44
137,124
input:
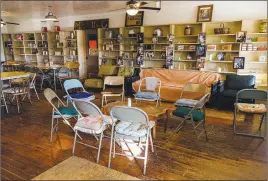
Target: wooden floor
x,y
26,151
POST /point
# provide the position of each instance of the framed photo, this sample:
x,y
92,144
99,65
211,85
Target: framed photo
x,y
201,50
226,47
241,36
139,56
155,38
201,62
140,37
180,47
119,60
221,56
119,38
239,62
204,13
136,20
212,47
202,38
169,56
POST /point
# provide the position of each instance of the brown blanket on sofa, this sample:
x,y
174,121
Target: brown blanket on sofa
x,y
174,80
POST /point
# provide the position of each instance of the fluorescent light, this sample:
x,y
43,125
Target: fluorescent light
x,y
2,25
132,11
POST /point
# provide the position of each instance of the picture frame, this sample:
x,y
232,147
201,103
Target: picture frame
x,y
239,63
140,37
119,38
136,20
212,47
201,50
241,36
221,56
227,47
139,57
204,13
169,56
201,62
180,47
201,38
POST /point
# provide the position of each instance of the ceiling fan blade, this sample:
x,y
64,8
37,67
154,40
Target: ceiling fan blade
x,y
143,3
12,23
117,9
150,8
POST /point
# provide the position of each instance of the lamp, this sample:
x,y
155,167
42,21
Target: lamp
x,y
50,16
132,11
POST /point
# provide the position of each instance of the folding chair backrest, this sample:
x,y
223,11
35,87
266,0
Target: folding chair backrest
x,y
202,101
20,85
50,95
129,114
251,94
72,84
86,107
64,71
196,88
32,79
151,83
114,80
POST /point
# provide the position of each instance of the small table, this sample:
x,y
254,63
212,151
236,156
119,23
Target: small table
x,y
54,68
154,113
13,75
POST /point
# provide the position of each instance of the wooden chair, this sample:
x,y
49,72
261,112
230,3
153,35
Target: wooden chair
x,y
112,92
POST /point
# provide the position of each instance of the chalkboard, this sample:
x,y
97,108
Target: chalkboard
x,y
91,24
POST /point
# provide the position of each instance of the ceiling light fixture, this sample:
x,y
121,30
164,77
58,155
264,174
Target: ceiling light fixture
x,y
50,16
132,11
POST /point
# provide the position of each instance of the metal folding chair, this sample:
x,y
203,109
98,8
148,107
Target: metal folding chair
x,y
112,92
191,114
260,109
131,116
86,108
150,92
59,110
76,84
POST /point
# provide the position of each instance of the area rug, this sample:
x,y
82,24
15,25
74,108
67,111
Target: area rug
x,y
75,168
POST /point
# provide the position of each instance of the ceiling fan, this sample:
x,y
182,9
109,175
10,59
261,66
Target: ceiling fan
x,y
5,23
133,7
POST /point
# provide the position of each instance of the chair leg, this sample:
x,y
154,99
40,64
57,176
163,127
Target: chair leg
x,y
5,103
29,97
99,150
111,144
151,140
105,97
176,130
18,103
204,126
36,93
102,99
42,81
75,136
114,147
51,130
262,118
146,155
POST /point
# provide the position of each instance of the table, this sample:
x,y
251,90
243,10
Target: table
x,y
154,113
54,68
13,75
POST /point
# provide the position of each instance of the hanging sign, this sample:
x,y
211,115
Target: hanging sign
x,y
91,24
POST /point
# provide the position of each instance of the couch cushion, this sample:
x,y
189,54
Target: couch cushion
x,y
229,93
107,70
184,111
125,71
93,83
146,95
239,82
